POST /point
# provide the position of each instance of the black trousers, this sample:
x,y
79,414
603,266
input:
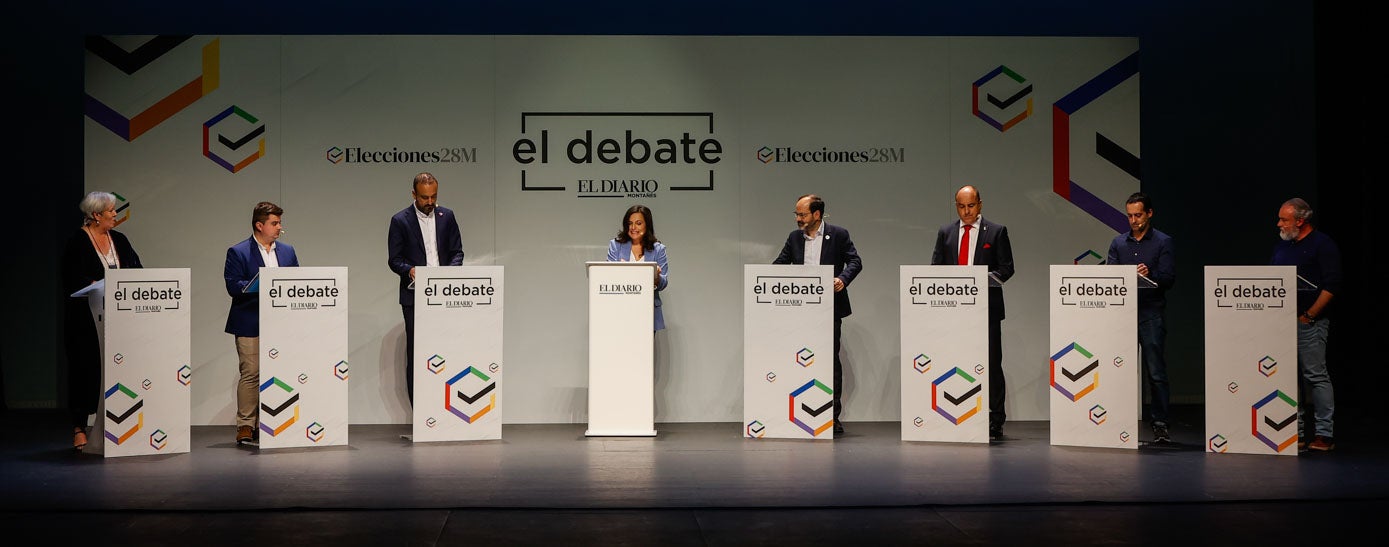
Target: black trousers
x,y
998,388
408,310
838,386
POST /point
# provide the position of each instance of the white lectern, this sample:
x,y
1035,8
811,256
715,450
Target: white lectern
x,y
945,353
620,380
146,374
1094,356
458,353
303,357
788,351
1251,360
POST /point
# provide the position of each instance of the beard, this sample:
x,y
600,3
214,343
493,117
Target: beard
x,y
1287,236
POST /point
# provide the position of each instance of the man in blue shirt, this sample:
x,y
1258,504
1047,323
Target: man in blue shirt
x,y
1151,251
1318,262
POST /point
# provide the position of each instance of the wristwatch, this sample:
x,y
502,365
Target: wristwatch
x,y
1309,316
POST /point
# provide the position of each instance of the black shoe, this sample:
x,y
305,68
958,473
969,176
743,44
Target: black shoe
x,y
995,433
1160,434
838,430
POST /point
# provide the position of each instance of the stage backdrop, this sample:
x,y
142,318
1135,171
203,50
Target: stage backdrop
x,y
541,142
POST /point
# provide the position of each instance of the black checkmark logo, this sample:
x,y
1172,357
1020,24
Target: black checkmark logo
x,y
1278,426
243,140
473,399
967,395
816,411
128,413
1100,414
277,411
1005,103
129,62
1082,372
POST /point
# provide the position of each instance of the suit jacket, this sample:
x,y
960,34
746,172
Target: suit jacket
x,y
620,252
243,263
405,245
991,248
837,250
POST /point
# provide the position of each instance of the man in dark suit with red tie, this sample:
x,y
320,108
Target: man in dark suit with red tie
x,y
835,248
975,241
422,234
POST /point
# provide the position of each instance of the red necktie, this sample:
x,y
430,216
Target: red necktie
x,y
964,247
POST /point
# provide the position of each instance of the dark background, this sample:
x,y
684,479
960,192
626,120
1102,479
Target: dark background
x,y
1245,103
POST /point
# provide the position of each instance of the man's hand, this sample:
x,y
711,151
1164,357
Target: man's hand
x,y
412,274
838,284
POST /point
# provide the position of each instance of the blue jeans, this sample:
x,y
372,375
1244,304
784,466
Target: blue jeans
x,y
1316,379
1152,339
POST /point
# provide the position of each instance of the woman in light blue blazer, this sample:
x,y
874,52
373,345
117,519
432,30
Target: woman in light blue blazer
x,y
637,227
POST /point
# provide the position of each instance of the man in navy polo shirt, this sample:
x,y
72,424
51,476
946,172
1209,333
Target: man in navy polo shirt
x,y
1318,262
1151,251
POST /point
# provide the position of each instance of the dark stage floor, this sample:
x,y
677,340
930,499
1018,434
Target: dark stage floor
x,y
693,484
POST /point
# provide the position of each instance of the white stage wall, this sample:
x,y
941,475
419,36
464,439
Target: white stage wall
x,y
907,100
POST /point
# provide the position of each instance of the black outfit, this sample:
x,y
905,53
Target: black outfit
x,y
836,249
81,267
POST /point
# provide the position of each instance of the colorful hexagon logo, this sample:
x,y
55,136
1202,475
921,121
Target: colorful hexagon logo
x,y
1124,436
275,406
766,154
315,431
1005,110
303,379
1217,443
435,364
1089,257
185,375
340,370
493,368
431,422
755,429
918,421
273,353
471,386
147,384
159,439
805,357
118,358
1098,414
1118,362
812,406
122,209
1078,377
334,155
1273,420
1233,387
921,363
122,404
771,376
962,392
1267,366
251,130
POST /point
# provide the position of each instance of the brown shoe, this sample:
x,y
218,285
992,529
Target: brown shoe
x,y
79,439
244,434
1324,444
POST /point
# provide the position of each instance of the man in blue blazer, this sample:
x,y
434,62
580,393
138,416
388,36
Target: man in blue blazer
x,y
835,248
422,234
985,244
244,261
